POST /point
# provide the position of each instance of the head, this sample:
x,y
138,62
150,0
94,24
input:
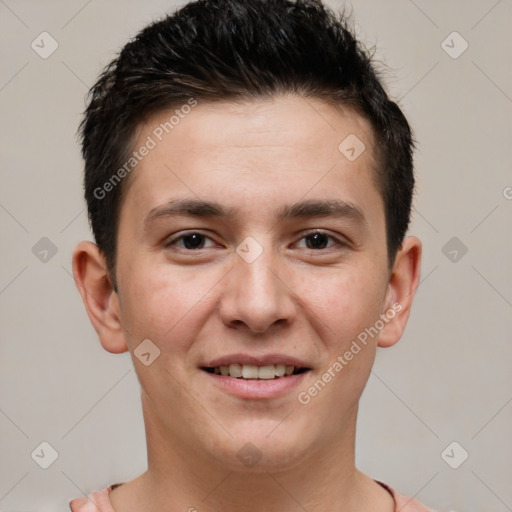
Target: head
x,y
260,123
197,55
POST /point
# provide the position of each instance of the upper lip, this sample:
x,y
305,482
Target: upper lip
x,y
263,360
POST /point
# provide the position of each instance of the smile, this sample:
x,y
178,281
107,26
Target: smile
x,y
250,371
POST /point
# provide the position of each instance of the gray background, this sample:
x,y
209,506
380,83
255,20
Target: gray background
x,y
449,378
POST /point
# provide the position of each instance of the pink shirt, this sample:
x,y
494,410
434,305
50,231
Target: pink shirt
x,y
98,501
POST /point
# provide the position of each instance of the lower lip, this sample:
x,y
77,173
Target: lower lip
x,y
256,388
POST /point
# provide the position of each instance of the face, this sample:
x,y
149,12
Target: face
x,y
248,242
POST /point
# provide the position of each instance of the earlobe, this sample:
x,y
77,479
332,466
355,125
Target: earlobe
x,y
403,282
99,298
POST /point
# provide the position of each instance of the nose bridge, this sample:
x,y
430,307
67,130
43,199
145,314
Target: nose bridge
x,y
256,295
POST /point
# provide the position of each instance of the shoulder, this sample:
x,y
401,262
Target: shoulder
x,y
97,501
405,503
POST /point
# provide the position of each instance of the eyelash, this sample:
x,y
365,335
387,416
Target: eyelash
x,y
171,242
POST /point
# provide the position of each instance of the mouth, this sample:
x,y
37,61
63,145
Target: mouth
x,y
256,377
254,372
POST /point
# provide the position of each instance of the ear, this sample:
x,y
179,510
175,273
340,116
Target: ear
x,y
100,299
402,285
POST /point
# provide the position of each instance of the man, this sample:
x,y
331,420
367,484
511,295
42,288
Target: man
x,y
249,186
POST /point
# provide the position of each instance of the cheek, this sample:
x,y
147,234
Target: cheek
x,y
353,304
162,303
346,300
348,305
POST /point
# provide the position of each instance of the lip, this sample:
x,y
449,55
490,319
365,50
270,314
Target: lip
x,y
255,388
264,360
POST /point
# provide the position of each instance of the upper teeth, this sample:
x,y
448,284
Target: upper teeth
x,y
250,371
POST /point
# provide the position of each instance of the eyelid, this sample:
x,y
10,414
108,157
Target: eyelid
x,y
171,240
340,241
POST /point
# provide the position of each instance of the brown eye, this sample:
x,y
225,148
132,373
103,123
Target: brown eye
x,y
319,240
191,241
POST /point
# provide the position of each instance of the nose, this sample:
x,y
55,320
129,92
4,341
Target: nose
x,y
257,296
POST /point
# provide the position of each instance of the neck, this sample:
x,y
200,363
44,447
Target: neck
x,y
182,477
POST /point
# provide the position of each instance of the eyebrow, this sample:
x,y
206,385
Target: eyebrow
x,y
302,209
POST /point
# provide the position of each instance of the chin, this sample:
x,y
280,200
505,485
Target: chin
x,y
260,447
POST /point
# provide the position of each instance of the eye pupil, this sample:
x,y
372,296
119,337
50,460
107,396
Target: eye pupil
x,y
197,241
319,240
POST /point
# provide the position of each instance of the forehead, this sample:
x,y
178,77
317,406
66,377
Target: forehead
x,y
288,120
253,151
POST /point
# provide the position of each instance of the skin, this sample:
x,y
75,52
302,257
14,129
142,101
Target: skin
x,y
296,298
